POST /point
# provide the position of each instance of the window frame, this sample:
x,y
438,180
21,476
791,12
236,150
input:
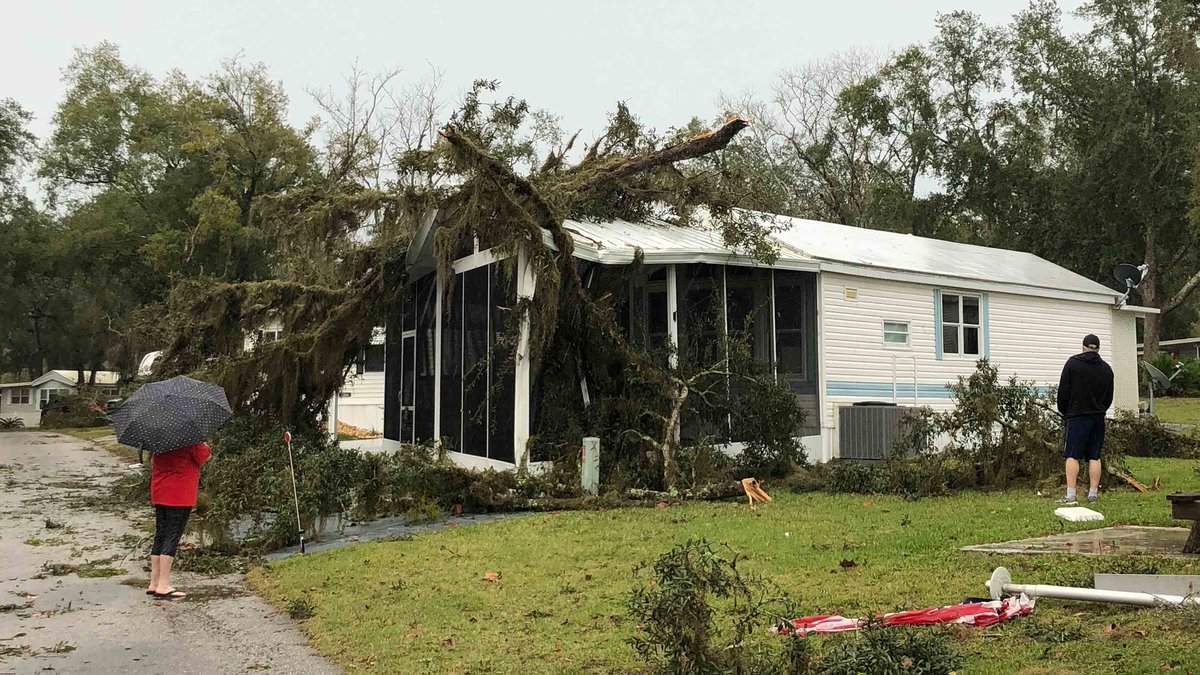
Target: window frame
x,y
24,399
907,344
44,394
961,325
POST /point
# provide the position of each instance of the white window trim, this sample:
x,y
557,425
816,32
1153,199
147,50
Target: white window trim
x,y
903,346
960,354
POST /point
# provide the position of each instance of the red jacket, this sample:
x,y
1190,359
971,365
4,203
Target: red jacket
x,y
175,475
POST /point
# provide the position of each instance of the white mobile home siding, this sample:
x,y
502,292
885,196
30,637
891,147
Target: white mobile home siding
x,y
1028,336
361,401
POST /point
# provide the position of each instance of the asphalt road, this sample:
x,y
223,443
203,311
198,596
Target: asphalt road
x,y
53,620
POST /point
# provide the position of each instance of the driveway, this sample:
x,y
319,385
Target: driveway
x,y
73,578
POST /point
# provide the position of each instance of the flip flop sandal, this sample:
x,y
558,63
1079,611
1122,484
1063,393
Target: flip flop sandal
x,y
171,595
150,593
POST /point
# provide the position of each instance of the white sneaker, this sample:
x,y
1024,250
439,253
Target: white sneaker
x,y
1066,501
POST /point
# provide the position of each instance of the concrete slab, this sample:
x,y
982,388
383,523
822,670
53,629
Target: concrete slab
x,y
1119,540
1158,584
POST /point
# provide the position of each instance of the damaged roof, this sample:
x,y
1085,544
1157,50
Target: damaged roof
x,y
815,245
812,245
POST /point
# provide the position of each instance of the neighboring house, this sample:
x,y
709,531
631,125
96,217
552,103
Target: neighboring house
x,y
25,399
846,315
1184,348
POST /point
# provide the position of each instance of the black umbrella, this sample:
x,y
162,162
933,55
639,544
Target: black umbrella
x,y
174,413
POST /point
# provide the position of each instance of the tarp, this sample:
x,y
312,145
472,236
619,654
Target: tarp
x,y
980,614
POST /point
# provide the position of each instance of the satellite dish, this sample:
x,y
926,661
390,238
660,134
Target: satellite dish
x,y
1128,275
1157,375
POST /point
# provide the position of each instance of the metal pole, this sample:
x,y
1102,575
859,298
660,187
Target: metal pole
x,y
1001,584
287,437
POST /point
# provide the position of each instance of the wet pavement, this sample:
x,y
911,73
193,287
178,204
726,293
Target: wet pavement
x,y
1120,540
73,578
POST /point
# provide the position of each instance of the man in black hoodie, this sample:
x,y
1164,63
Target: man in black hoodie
x,y
1085,393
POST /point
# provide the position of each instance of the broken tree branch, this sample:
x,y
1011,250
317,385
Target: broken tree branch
x,y
698,146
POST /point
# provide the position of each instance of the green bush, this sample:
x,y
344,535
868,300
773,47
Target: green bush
x,y
854,477
11,423
1186,383
892,651
249,480
84,413
700,614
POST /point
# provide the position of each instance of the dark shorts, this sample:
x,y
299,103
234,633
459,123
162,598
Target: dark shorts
x,y
1085,437
169,524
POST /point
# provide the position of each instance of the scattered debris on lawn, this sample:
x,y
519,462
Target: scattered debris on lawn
x,y
754,492
972,613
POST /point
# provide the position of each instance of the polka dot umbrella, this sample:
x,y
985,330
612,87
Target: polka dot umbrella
x,y
163,416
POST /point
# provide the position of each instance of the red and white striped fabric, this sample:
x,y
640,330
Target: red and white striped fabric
x,y
980,614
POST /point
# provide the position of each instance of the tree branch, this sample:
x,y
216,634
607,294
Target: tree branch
x,y
1182,295
698,146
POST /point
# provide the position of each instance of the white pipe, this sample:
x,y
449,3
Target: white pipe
x,y
1001,584
895,398
916,386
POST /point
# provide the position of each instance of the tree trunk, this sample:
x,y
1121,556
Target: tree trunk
x,y
37,367
670,434
1150,298
1150,329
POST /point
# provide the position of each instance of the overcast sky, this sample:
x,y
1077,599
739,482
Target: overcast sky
x,y
669,60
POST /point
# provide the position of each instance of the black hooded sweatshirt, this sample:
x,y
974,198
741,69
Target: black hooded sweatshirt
x,y
1086,387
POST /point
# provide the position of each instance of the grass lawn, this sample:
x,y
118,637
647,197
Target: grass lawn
x,y
423,606
1178,410
124,452
88,434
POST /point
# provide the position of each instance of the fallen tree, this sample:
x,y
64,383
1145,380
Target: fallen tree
x,y
496,188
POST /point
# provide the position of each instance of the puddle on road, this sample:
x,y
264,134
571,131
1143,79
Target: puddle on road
x,y
1120,540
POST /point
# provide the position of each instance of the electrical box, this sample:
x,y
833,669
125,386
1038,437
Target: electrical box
x,y
590,465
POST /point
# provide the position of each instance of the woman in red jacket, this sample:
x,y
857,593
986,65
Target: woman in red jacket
x,y
174,481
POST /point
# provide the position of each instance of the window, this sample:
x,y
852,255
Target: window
x,y
266,336
791,347
960,324
895,333
47,395
20,396
372,360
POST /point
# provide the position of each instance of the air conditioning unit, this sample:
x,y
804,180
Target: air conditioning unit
x,y
868,430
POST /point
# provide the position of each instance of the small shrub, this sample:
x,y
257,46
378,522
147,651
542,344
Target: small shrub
x,y
425,510
301,608
888,651
700,614
11,423
853,477
704,465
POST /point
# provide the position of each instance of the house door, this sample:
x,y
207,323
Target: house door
x,y
408,386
